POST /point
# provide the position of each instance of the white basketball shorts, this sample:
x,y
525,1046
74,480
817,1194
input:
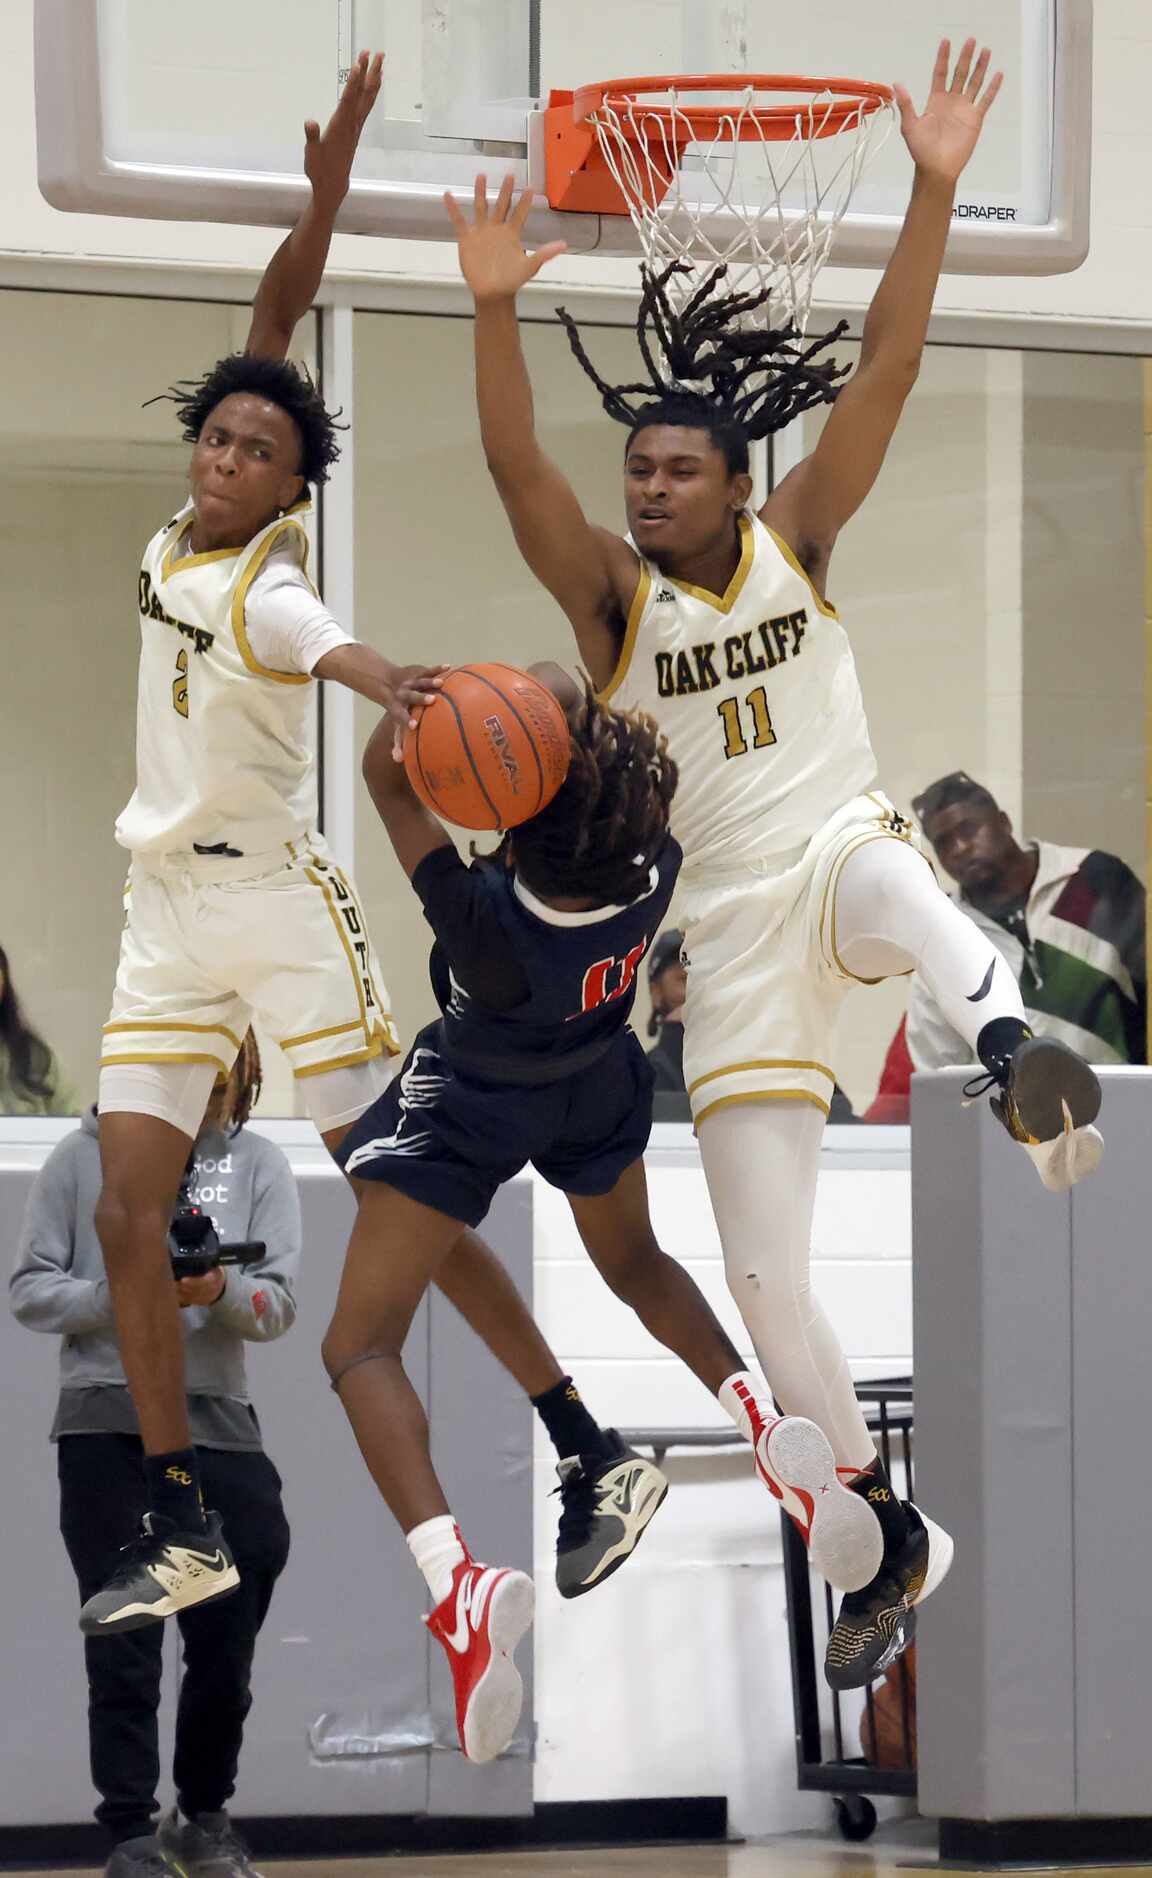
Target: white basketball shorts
x,y
211,942
765,980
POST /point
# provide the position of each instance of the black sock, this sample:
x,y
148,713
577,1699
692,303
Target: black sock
x,y
874,1486
998,1043
174,1488
570,1427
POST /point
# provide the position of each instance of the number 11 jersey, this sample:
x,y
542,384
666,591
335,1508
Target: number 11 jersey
x,y
757,693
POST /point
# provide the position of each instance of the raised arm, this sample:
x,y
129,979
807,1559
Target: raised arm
x,y
295,271
412,829
813,503
591,572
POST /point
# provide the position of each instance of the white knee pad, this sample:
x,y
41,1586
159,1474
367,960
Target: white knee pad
x,y
338,1097
174,1092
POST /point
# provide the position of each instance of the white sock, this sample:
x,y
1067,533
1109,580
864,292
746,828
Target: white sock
x,y
746,1399
438,1549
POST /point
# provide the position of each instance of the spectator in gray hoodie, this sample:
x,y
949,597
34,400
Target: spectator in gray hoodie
x,y
244,1183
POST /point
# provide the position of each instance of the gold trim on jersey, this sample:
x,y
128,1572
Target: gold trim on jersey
x,y
158,1023
374,1049
316,1036
825,606
764,1095
167,1056
173,564
250,572
628,644
765,1062
724,602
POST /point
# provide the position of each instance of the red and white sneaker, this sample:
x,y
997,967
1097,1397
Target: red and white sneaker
x,y
480,1623
795,1461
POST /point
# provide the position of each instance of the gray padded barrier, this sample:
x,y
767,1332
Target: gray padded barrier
x,y
1033,1315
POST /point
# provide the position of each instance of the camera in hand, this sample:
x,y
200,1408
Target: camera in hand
x,y
194,1245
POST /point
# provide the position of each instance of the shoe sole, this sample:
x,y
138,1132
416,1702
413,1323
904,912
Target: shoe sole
x,y
636,1525
221,1587
845,1544
1046,1075
495,1703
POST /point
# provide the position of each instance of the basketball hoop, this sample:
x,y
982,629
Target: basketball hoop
x,y
755,183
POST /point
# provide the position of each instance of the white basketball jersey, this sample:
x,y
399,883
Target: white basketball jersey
x,y
223,745
756,691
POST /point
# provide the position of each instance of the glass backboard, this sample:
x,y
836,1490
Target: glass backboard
x,y
164,112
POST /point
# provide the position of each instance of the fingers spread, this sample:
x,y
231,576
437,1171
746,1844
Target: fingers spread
x,y
522,210
979,73
963,64
545,254
904,105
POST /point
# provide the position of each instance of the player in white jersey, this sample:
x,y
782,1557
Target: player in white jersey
x,y
800,877
236,908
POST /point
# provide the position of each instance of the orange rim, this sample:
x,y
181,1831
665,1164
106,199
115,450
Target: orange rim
x,y
775,123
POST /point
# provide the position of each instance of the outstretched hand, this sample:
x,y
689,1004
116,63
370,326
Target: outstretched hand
x,y
416,687
329,154
943,137
493,258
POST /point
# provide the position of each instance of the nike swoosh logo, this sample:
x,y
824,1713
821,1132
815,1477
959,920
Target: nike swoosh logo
x,y
975,997
622,1493
215,1561
458,1640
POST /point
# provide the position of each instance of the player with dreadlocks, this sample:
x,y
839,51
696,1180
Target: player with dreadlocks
x,y
799,878
236,907
534,968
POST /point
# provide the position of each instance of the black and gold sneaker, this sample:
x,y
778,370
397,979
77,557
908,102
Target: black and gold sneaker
x,y
876,1625
1048,1099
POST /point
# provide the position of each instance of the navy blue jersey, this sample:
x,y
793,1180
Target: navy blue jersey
x,y
530,994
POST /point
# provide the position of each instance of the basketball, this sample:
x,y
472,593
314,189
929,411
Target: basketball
x,y
885,1739
492,752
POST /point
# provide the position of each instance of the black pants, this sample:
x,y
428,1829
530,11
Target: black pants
x,y
102,1499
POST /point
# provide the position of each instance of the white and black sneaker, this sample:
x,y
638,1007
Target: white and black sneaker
x,y
163,1571
608,1501
208,1846
140,1858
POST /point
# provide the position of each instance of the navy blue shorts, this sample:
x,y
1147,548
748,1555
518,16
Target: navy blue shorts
x,y
450,1142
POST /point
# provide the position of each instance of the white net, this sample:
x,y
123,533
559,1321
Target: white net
x,y
763,206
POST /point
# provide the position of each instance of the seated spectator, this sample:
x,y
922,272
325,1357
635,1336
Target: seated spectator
x,y
31,1080
1069,921
246,1186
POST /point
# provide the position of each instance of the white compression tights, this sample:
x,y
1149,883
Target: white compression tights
x,y
762,1158
892,917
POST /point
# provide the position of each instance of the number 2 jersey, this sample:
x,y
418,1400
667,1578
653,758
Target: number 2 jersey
x,y
757,693
224,743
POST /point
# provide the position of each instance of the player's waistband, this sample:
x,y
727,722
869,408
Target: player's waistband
x,y
734,870
525,1071
223,861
